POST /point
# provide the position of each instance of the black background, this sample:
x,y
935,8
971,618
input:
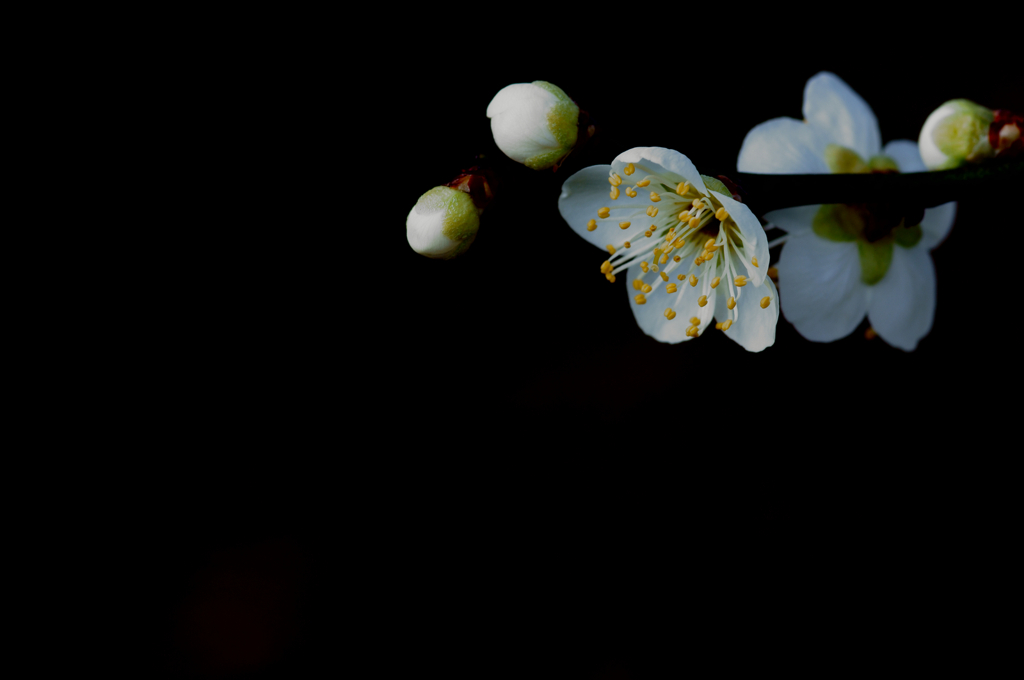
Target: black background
x,y
433,464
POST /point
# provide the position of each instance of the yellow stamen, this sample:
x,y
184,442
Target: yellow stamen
x,y
692,331
702,300
629,169
626,244
680,276
610,277
610,248
642,183
727,324
765,301
614,194
682,188
718,326
698,260
694,321
714,281
677,258
644,266
604,212
646,288
693,280
664,276
623,225
671,288
631,192
614,180
870,333
694,222
679,242
640,299
731,304
753,261
697,205
591,225
669,314
637,284
721,215
655,197
709,244
684,216
705,255
773,273
652,211
663,260
647,234
606,266
740,280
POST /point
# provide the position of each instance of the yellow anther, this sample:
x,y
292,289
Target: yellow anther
x,y
610,248
727,324
693,222
698,260
709,244
702,300
604,212
705,255
669,311
652,211
646,288
740,280
637,284
718,326
694,321
631,192
677,258
671,288
614,180
773,272
664,276
629,169
765,301
640,299
679,242
642,183
682,188
721,215
671,315
680,276
591,225
753,261
697,205
731,304
614,194
647,234
714,281
623,225
626,244
692,331
655,197
663,260
693,280
654,268
643,265
684,216
610,277
606,266
870,333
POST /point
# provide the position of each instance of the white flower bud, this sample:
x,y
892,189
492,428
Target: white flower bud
x,y
443,223
954,133
534,123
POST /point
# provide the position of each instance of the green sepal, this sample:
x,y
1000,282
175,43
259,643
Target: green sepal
x,y
881,162
907,237
563,119
875,259
836,222
842,160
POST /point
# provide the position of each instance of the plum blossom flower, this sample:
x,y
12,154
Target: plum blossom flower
x,y
443,223
842,262
534,123
688,247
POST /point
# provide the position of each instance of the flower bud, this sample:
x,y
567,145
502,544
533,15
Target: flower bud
x,y
954,133
443,223
534,123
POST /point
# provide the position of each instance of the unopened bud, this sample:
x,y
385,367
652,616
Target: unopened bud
x,y
534,123
443,223
955,133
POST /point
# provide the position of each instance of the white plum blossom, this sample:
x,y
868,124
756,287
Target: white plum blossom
x,y
839,262
954,133
688,248
534,123
443,223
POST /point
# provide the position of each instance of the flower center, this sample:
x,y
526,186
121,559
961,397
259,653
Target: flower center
x,y
682,238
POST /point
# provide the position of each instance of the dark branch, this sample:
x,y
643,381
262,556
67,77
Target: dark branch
x,y
765,193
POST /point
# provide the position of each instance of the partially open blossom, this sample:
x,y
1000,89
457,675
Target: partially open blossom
x,y
687,247
842,262
443,223
534,123
955,133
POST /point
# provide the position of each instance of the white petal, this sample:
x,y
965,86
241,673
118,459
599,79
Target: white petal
x,y
832,106
423,231
651,315
519,121
755,242
906,155
656,160
902,305
794,220
587,191
755,327
930,154
936,224
783,146
822,294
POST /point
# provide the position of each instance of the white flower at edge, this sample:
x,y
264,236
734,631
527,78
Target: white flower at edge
x,y
443,223
689,249
534,123
831,278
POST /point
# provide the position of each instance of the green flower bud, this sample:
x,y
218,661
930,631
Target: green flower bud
x,y
534,123
443,223
955,133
